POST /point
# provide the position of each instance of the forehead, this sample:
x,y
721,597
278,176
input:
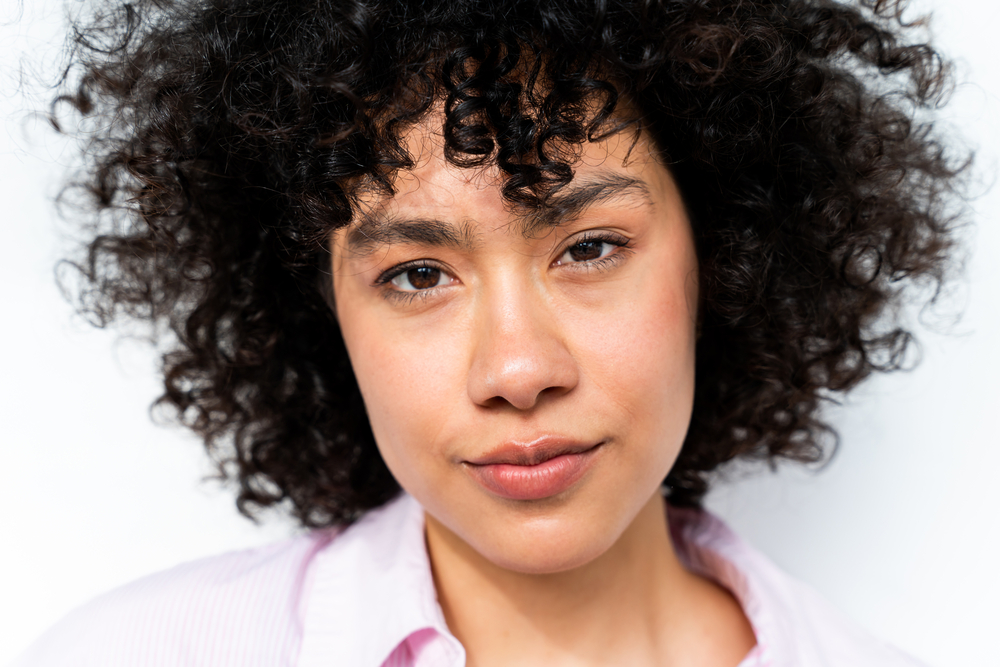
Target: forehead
x,y
621,170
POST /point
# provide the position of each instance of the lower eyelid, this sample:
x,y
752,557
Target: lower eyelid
x,y
397,296
600,264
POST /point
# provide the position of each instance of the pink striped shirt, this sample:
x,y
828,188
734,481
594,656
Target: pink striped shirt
x,y
365,598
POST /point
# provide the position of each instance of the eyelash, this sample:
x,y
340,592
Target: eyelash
x,y
620,242
405,297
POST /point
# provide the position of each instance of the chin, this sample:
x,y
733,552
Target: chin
x,y
547,545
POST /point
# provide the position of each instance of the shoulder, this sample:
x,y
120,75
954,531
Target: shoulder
x,y
240,608
803,628
795,626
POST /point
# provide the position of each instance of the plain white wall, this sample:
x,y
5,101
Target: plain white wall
x,y
901,530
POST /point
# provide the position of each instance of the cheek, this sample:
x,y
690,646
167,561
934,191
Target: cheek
x,y
407,382
642,353
641,360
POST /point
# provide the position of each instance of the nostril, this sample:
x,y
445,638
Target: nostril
x,y
522,376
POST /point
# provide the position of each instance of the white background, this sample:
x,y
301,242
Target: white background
x,y
901,530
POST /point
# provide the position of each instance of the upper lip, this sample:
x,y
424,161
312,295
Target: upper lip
x,y
532,453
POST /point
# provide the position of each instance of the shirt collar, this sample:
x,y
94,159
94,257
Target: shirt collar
x,y
707,547
793,624
370,598
372,595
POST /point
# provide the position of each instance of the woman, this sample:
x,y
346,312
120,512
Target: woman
x,y
525,262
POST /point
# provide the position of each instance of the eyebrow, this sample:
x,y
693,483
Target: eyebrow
x,y
374,231
575,198
377,229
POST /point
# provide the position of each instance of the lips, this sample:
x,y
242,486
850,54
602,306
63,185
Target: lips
x,y
534,470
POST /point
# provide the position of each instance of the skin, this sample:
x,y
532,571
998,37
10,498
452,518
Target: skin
x,y
582,327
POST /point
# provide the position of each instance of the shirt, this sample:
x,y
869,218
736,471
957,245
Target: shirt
x,y
365,597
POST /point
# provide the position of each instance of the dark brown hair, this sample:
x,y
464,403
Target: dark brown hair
x,y
233,135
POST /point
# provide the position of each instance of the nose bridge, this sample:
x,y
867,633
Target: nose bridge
x,y
519,352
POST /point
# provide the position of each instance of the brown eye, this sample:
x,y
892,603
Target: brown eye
x,y
418,278
586,251
424,277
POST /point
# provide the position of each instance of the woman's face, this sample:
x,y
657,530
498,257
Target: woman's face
x,y
528,376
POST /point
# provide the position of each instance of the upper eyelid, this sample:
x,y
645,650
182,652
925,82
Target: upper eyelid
x,y
589,234
614,238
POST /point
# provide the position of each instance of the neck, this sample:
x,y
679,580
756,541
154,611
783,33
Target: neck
x,y
635,604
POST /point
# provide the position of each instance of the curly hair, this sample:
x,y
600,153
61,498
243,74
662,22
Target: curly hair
x,y
230,138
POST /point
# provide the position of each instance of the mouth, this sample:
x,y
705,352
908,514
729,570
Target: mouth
x,y
535,470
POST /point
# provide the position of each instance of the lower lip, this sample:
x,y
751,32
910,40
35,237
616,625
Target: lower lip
x,y
536,482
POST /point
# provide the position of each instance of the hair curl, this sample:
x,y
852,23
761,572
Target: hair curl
x,y
235,134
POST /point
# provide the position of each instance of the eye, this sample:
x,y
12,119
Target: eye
x,y
417,278
410,280
592,249
587,251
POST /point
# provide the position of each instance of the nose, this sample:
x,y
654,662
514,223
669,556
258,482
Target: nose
x,y
519,356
